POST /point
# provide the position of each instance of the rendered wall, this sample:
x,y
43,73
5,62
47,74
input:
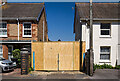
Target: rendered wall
x,y
111,41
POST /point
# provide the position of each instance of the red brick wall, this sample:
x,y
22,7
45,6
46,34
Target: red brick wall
x,y
12,32
5,51
40,27
37,30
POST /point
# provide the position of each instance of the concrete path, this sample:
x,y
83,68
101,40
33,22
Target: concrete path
x,y
16,74
60,75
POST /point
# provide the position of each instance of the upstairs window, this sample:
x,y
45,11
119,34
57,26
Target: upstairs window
x,y
3,29
104,53
27,30
105,29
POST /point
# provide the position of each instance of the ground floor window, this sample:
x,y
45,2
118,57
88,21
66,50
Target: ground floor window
x,y
105,53
10,49
1,51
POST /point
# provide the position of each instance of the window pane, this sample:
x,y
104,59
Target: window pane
x,y
27,32
0,48
105,56
105,26
105,49
105,32
0,25
0,32
27,25
3,25
105,53
3,32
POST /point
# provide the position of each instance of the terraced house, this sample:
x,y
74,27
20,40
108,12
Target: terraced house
x,y
21,23
106,23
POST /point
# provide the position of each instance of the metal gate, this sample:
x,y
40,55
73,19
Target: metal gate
x,y
56,55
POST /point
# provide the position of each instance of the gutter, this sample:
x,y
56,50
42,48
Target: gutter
x,y
22,18
106,19
15,42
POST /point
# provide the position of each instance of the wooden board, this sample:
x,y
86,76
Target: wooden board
x,y
76,56
37,47
47,55
50,56
66,56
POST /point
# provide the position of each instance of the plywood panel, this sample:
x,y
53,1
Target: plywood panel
x,y
37,47
83,51
76,56
46,55
50,56
66,56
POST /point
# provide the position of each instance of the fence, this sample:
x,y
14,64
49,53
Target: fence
x,y
56,55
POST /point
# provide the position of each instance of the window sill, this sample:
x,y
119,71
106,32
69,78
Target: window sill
x,y
27,36
104,61
3,36
105,36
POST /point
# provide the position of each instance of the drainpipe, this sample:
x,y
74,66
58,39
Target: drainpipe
x,y
43,31
18,28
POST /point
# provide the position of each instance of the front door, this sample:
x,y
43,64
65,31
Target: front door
x,y
10,49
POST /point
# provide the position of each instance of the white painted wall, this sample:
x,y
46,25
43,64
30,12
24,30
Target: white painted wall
x,y
118,45
118,63
119,33
105,41
85,35
82,33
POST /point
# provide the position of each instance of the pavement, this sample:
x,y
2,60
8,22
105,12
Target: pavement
x,y
106,74
16,74
112,74
60,75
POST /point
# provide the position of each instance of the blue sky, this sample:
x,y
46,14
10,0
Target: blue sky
x,y
60,17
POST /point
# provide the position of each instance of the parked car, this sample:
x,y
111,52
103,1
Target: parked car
x,y
6,65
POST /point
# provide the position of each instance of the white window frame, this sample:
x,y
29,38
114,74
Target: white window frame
x,y
1,53
105,29
105,60
4,29
30,29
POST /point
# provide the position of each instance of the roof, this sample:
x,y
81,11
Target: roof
x,y
22,10
100,10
